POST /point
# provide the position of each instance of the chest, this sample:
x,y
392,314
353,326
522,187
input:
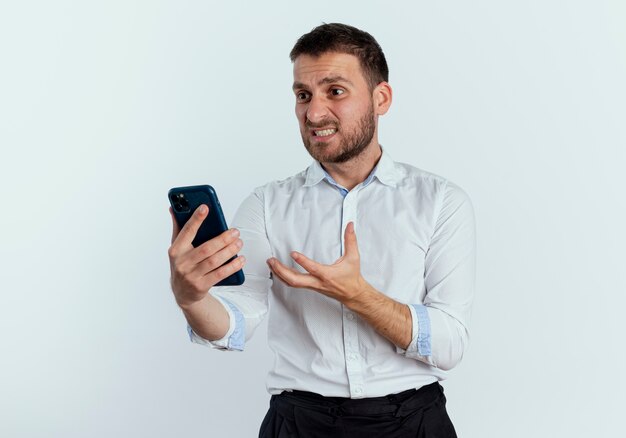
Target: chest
x,y
393,232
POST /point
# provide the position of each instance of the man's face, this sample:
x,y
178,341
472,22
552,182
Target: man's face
x,y
334,106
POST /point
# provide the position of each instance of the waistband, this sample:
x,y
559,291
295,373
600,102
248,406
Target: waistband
x,y
396,404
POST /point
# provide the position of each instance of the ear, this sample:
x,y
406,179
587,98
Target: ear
x,y
382,96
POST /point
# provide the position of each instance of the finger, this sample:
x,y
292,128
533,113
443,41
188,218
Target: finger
x,y
352,248
175,227
213,246
290,276
189,230
311,266
214,277
213,262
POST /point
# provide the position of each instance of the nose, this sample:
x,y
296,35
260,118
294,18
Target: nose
x,y
317,110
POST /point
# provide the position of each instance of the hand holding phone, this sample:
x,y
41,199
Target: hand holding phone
x,y
204,251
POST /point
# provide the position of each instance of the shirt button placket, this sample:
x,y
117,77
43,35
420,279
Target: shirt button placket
x,y
354,365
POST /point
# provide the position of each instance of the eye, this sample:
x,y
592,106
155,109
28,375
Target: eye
x,y
336,91
302,96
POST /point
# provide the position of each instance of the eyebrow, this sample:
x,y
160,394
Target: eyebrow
x,y
324,81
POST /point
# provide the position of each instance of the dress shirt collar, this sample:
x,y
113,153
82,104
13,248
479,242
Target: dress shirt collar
x,y
385,171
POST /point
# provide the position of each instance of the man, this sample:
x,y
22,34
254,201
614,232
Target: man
x,y
362,329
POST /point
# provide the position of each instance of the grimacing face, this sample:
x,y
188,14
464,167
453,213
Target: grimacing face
x,y
334,106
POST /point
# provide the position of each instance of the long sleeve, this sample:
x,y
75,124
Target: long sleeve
x,y
440,323
246,304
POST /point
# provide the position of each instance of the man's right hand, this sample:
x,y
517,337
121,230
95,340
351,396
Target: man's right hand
x,y
195,270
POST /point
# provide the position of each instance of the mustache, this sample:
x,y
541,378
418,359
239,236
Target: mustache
x,y
322,124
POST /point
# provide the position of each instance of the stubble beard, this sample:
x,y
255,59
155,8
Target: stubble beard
x,y
352,144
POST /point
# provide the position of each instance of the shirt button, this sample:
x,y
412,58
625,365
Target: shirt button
x,y
350,316
358,390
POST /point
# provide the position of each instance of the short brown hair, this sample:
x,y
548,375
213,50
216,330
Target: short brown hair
x,y
342,38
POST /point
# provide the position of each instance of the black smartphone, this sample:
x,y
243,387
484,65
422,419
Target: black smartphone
x,y
184,201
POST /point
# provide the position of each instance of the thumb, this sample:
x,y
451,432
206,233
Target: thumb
x,y
352,248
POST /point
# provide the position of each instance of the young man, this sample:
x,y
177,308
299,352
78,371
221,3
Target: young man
x,y
362,329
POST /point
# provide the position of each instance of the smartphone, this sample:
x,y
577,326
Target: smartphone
x,y
184,201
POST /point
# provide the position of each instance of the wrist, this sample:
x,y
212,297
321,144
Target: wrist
x,y
188,306
363,295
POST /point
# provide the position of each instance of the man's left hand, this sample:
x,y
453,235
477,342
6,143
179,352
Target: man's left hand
x,y
342,280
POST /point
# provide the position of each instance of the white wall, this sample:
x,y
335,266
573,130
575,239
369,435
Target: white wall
x,y
106,105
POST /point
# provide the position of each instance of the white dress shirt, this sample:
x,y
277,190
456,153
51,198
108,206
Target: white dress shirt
x,y
416,238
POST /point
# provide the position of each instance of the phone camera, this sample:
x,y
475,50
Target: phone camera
x,y
180,203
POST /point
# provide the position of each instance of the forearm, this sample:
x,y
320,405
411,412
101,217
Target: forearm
x,y
208,318
388,317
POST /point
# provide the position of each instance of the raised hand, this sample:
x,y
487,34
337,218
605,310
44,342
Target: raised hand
x,y
342,280
195,270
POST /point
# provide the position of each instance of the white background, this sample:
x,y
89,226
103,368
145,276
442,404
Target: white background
x,y
106,105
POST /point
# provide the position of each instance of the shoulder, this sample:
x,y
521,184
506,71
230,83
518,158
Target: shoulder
x,y
439,188
411,177
283,186
411,174
254,206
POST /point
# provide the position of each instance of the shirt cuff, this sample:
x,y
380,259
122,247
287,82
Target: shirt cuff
x,y
420,345
234,338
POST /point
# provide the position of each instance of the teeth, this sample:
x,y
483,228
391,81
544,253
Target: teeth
x,y
325,132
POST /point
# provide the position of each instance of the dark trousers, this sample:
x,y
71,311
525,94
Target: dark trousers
x,y
413,413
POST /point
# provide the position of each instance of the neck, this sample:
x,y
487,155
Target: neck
x,y
354,172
